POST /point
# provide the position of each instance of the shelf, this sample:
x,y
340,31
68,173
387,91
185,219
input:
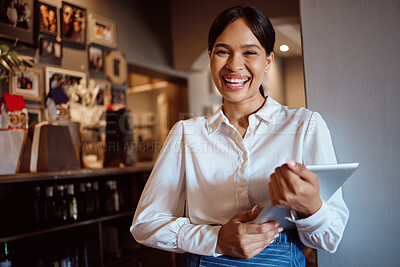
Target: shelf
x,y
75,174
66,226
126,257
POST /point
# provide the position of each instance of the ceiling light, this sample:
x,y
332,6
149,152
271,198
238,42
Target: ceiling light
x,y
284,48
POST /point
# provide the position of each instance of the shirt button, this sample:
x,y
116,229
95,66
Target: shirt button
x,y
243,183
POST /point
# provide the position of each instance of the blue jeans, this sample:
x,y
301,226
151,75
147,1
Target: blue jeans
x,y
286,250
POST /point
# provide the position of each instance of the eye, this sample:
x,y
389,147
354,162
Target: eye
x,y
250,53
221,52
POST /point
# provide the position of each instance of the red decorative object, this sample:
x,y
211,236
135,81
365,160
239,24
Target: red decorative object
x,y
13,112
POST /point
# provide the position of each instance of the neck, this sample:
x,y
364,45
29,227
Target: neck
x,y
238,113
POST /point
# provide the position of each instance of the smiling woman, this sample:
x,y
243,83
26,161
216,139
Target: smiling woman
x,y
200,202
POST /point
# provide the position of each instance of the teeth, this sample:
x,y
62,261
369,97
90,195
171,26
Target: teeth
x,y
236,80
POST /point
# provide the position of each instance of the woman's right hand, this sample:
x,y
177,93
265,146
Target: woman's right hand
x,y
244,240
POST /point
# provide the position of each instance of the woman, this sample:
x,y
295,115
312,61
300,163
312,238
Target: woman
x,y
213,173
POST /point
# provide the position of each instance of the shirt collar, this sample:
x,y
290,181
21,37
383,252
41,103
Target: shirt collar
x,y
269,110
266,113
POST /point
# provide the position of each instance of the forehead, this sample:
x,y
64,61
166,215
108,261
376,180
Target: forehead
x,y
238,31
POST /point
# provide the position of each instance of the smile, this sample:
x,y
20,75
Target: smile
x,y
235,82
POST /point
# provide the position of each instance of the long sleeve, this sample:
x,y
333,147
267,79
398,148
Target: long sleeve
x,y
158,221
324,229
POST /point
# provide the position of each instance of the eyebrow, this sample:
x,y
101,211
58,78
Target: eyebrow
x,y
242,46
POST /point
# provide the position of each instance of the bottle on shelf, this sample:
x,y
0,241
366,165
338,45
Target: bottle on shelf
x,y
116,196
61,205
38,207
89,200
85,258
72,203
112,197
50,204
96,194
81,201
5,260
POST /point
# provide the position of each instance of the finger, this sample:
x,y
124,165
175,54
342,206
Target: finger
x,y
271,193
262,228
274,193
247,216
260,240
273,179
285,178
301,170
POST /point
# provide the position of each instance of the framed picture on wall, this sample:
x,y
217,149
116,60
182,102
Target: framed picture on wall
x,y
96,59
48,17
118,96
35,113
116,70
27,83
16,20
50,47
102,31
73,24
103,97
61,79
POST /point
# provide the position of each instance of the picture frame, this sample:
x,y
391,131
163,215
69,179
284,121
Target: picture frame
x,y
103,97
50,47
28,83
118,95
17,20
96,59
63,78
47,18
116,69
35,113
102,31
73,24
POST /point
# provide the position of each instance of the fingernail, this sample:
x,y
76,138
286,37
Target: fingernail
x,y
280,229
291,162
276,224
276,235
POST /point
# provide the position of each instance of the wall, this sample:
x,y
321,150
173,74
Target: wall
x,y
191,21
294,82
274,81
351,58
143,34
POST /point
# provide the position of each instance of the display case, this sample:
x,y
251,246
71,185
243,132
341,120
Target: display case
x,y
75,218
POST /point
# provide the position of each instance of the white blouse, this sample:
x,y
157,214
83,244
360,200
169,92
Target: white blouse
x,y
206,173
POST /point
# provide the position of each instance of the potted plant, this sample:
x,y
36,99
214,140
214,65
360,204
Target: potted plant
x,y
11,60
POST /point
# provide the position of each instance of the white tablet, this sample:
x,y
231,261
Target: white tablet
x,y
331,177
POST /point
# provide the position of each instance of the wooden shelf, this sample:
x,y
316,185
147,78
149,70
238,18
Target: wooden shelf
x,y
72,174
16,193
66,226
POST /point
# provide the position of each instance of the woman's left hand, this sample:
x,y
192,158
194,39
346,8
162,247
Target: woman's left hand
x,y
293,186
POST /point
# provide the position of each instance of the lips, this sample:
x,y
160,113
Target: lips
x,y
235,82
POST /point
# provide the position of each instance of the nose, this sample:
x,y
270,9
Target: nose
x,y
235,62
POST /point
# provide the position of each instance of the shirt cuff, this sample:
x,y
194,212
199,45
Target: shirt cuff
x,y
199,239
318,222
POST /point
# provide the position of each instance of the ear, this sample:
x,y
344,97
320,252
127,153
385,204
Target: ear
x,y
209,54
270,59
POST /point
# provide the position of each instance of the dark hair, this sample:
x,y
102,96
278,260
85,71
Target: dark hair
x,y
259,24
